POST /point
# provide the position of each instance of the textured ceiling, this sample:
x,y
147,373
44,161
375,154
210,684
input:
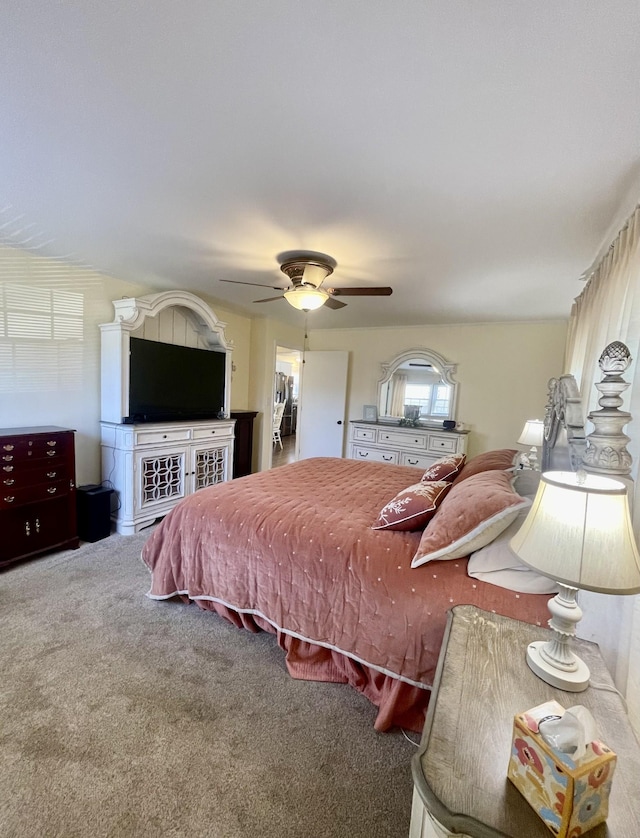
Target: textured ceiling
x,y
474,156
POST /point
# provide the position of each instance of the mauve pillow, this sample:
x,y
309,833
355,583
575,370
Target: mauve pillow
x,y
446,468
472,515
502,459
413,507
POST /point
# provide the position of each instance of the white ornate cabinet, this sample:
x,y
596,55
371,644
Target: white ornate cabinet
x,y
418,447
151,466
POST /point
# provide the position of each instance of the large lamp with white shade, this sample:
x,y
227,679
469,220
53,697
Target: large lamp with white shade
x,y
579,533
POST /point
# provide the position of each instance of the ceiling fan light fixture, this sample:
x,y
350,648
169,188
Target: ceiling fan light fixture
x,y
307,271
315,274
306,299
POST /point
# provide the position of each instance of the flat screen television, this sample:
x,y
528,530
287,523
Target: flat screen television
x,y
168,382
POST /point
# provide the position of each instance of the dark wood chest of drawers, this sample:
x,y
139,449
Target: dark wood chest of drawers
x,y
37,492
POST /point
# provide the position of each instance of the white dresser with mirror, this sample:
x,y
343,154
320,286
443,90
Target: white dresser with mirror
x,y
417,394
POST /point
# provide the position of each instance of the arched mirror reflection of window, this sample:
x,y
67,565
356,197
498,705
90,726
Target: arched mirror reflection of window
x,y
417,386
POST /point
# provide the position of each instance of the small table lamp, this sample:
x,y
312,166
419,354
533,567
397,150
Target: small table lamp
x,y
578,532
532,435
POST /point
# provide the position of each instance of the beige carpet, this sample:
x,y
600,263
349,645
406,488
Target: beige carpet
x,y
120,716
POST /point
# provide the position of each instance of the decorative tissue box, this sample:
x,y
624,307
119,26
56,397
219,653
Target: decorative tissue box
x,y
570,796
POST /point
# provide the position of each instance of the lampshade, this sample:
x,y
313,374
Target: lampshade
x,y
305,298
532,433
578,532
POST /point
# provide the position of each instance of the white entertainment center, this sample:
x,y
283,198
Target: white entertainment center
x,y
153,465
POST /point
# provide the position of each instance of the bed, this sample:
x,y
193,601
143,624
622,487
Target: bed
x,y
292,551
353,565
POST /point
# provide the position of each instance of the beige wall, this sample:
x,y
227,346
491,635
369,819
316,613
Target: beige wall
x,y
503,370
237,330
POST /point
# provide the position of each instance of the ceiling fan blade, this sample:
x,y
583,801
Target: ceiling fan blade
x,y
361,292
259,284
331,303
270,299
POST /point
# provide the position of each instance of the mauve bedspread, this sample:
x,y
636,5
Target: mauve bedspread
x,y
292,550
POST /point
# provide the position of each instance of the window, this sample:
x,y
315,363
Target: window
x,y
41,335
433,400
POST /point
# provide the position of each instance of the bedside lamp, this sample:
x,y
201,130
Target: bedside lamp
x,y
578,532
532,435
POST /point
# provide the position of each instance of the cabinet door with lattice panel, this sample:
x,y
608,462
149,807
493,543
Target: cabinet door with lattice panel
x,y
209,465
161,477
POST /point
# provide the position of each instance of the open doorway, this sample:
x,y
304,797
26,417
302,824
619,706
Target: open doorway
x,y
286,389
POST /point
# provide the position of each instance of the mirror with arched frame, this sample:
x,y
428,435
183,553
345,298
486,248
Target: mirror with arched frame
x,y
417,386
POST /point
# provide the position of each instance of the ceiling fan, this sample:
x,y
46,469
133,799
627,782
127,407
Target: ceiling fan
x,y
307,271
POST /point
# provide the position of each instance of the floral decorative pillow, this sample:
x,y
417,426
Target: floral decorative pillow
x,y
474,512
413,507
447,468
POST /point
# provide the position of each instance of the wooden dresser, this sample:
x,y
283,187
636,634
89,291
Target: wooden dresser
x,y
37,492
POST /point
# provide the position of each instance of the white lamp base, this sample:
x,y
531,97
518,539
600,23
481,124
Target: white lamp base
x,y
575,681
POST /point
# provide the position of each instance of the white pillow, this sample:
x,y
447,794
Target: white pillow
x,y
497,564
525,482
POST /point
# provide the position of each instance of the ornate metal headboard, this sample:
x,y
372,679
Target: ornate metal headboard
x,y
604,451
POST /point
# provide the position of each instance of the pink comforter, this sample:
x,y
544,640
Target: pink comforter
x,y
292,550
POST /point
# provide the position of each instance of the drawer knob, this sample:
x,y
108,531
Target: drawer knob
x,y
164,436
51,453
384,457
8,447
37,525
51,473
8,468
9,498
52,490
363,453
412,462
27,528
7,458
52,442
213,432
9,481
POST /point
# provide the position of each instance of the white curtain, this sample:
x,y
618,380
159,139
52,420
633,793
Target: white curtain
x,y
398,390
609,309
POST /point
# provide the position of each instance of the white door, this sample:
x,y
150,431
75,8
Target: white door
x,y
322,402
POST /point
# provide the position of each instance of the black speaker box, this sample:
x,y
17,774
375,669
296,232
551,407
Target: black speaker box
x,y
94,512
